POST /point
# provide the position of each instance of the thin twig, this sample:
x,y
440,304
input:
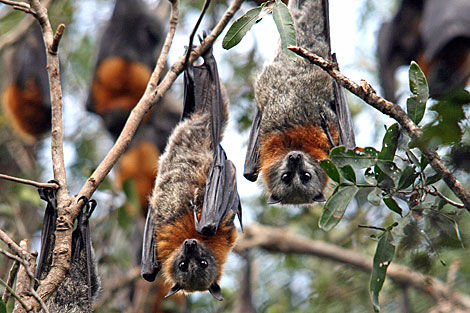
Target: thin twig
x,y
19,5
13,246
20,30
368,94
193,33
29,182
57,37
13,293
436,192
11,279
371,227
162,59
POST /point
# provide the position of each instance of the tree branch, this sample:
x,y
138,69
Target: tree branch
x,y
20,30
152,94
28,182
280,240
13,246
368,94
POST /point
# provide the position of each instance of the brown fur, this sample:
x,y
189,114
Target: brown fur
x,y
119,84
172,236
309,139
139,164
28,115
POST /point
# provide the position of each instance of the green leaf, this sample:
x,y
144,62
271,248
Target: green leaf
x,y
348,173
416,103
424,162
415,108
446,127
407,177
285,26
389,147
240,27
418,82
390,143
432,179
3,307
388,173
357,158
374,197
330,170
335,207
392,205
382,258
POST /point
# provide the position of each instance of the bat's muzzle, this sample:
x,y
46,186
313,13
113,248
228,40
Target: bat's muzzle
x,y
190,246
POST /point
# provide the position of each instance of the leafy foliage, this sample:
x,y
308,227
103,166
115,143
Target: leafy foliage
x,y
281,16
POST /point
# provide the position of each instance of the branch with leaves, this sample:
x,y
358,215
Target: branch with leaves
x,y
416,107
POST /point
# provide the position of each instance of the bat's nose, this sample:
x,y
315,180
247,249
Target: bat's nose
x,y
209,230
295,157
190,244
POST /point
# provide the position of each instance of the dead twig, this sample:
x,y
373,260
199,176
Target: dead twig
x,y
29,182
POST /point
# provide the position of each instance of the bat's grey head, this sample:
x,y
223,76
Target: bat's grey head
x,y
296,179
195,269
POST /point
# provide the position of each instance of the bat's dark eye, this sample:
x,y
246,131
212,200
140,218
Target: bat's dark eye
x,y
305,177
183,266
203,263
286,177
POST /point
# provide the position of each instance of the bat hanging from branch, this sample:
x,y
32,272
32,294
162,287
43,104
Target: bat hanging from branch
x,y
190,223
301,114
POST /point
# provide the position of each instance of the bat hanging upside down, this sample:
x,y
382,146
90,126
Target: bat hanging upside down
x,y
301,114
190,223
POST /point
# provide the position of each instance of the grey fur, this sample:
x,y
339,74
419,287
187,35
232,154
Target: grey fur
x,y
187,155
72,294
296,93
291,93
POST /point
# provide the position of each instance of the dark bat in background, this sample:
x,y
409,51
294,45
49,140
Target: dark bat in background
x,y
127,54
26,97
301,114
434,33
190,224
81,285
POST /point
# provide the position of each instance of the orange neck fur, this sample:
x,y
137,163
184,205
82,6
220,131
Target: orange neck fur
x,y
309,139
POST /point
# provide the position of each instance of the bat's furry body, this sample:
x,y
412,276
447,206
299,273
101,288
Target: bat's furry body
x,y
26,99
296,102
434,33
190,253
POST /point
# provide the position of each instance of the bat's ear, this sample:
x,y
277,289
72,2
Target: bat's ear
x,y
173,290
273,199
319,198
216,292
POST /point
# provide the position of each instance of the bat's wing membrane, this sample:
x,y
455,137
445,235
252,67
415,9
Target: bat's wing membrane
x,y
252,153
203,92
150,265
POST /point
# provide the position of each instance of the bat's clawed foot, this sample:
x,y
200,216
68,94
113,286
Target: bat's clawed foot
x,y
53,181
89,205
